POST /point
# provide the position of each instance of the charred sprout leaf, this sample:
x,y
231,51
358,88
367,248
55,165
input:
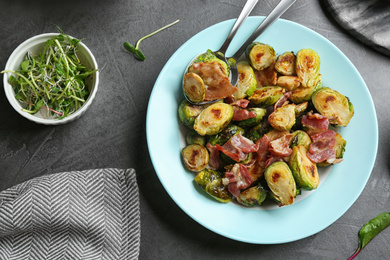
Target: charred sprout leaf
x,y
135,50
371,229
227,133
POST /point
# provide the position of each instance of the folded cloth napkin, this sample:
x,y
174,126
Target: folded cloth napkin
x,y
91,214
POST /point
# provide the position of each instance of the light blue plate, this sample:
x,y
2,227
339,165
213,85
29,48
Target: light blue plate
x,y
313,211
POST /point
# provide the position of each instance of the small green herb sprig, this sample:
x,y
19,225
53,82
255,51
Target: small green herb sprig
x,y
53,80
135,50
370,230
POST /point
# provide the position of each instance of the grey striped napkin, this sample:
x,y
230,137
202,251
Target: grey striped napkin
x,y
90,214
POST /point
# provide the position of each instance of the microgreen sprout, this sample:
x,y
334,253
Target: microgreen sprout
x,y
53,81
135,50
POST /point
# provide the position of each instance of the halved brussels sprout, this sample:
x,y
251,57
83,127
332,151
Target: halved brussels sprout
x,y
304,171
285,63
260,55
253,196
194,138
211,182
289,82
333,105
195,157
246,80
227,133
302,94
188,113
307,67
193,87
283,118
213,119
301,138
281,183
266,96
301,108
249,122
209,57
340,149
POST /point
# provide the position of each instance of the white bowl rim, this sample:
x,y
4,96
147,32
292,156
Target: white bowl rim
x,y
9,92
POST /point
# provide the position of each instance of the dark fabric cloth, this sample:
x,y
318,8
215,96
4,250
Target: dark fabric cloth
x,y
92,214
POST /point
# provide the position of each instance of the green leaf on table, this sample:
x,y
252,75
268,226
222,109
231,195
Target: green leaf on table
x,y
370,230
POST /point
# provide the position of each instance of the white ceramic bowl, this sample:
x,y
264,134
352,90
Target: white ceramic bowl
x,y
35,45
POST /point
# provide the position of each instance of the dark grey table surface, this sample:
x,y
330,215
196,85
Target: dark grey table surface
x,y
112,132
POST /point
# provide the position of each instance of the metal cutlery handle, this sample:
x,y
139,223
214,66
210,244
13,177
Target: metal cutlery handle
x,y
250,4
275,14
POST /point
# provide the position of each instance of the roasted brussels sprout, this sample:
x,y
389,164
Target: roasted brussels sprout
x,y
194,138
246,80
302,94
227,133
257,131
288,82
281,183
211,182
266,96
285,63
249,122
307,67
260,55
340,149
195,157
253,196
213,119
188,113
283,118
301,108
333,105
301,138
304,171
209,57
193,87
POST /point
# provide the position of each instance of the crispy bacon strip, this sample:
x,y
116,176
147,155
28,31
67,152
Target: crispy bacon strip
x,y
238,178
243,103
242,114
281,146
214,161
217,84
315,122
237,147
282,101
322,148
